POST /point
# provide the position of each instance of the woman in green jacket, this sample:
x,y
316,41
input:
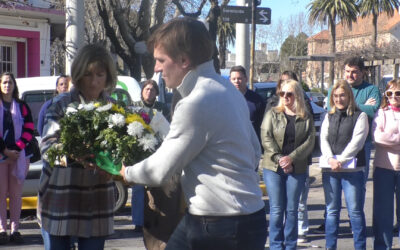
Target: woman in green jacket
x,y
287,135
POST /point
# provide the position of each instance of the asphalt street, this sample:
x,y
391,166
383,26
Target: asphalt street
x,y
125,238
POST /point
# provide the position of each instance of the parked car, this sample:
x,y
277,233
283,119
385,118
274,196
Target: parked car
x,y
268,89
35,91
316,97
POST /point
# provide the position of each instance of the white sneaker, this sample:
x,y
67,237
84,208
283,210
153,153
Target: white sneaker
x,y
302,238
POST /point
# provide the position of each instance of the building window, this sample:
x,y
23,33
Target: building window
x,y
6,58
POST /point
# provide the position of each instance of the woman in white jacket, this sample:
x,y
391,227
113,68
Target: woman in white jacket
x,y
343,134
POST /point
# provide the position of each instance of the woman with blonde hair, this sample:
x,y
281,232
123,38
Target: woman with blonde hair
x,y
385,129
287,135
343,133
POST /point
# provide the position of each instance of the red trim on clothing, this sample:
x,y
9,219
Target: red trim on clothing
x,y
27,136
29,125
20,144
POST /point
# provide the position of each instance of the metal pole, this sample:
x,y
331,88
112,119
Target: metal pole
x,y
74,30
242,41
253,40
322,75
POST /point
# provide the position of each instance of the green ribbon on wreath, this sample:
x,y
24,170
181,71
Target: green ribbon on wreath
x,y
105,162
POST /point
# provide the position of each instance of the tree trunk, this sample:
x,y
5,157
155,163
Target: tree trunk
x,y
375,31
157,13
222,52
212,19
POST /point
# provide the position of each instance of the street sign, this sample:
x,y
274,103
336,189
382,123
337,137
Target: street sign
x,y
242,14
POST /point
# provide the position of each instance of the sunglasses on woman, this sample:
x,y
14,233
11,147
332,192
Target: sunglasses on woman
x,y
287,94
392,93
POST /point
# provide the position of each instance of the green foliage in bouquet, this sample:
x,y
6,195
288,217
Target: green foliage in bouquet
x,y
108,133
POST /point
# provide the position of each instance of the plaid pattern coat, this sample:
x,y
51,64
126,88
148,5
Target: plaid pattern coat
x,y
72,200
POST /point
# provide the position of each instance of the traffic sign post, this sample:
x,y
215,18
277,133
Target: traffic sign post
x,y
242,14
248,15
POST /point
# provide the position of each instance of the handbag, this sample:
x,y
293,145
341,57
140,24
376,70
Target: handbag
x,y
33,151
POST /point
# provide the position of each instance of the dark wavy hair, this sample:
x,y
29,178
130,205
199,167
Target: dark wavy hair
x,y
290,74
15,93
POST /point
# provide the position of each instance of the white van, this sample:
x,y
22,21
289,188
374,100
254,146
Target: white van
x,y
35,91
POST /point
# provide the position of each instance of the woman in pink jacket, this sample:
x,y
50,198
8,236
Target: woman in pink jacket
x,y
386,132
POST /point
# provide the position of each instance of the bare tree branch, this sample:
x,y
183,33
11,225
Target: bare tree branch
x,y
183,12
110,32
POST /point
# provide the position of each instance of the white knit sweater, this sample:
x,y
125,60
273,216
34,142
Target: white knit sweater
x,y
211,140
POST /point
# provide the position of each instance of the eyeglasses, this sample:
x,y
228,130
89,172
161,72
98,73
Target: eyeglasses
x,y
286,94
392,93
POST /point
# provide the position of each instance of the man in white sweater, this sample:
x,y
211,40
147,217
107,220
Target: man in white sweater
x,y
209,142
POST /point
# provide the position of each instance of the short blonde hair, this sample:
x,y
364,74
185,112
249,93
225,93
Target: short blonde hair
x,y
93,56
342,84
299,98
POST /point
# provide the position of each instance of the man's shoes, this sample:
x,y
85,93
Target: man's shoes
x,y
3,238
138,229
301,238
16,237
320,229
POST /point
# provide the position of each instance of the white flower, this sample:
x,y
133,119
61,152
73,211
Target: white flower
x,y
104,108
116,120
135,129
103,143
148,142
71,110
89,106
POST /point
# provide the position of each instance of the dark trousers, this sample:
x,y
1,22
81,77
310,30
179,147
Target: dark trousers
x,y
220,232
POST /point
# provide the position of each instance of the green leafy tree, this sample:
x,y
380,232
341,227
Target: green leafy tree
x,y
294,46
226,35
331,11
375,8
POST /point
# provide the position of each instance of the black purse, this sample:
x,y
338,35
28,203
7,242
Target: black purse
x,y
33,150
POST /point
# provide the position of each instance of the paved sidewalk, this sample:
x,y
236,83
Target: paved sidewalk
x,y
124,238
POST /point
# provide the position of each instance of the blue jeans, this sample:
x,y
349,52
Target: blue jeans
x,y
352,184
303,211
243,232
53,242
367,151
284,194
386,182
137,205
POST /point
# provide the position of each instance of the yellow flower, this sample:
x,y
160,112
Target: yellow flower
x,y
118,109
137,118
97,104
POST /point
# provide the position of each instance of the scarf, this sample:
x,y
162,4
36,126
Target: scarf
x,y
394,108
18,121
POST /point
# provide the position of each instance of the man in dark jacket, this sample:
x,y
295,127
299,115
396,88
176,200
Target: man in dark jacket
x,y
254,101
